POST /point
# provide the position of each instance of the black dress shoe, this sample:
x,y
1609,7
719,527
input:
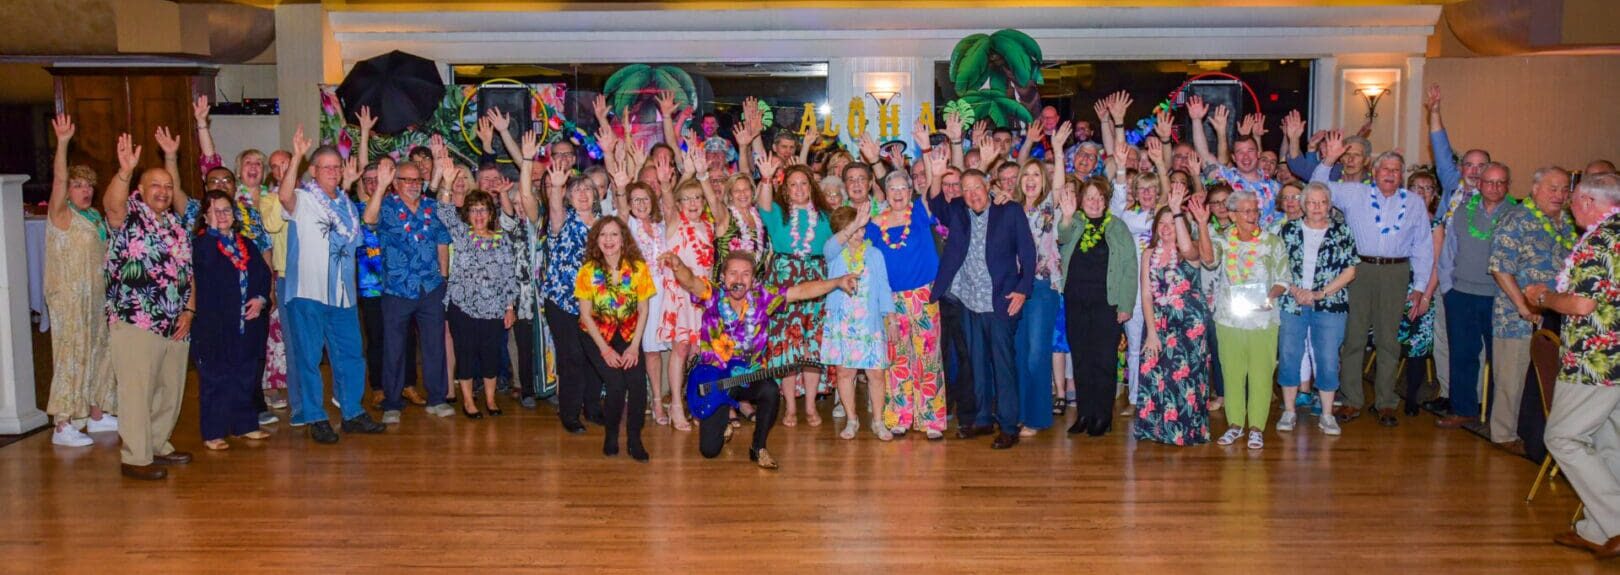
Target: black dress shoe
x,y
493,411
472,414
1005,440
1099,428
143,472
574,428
173,458
1386,418
322,432
610,448
638,453
1080,425
1411,409
1439,405
363,424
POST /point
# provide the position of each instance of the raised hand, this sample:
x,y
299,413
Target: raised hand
x,y
1218,118
1121,102
919,134
667,103
742,134
1332,146
767,166
1061,136
531,143
1199,211
1164,122
869,148
1293,126
385,175
1155,151
599,107
129,154
1101,109
199,111
813,135
1178,198
1196,108
1257,125
368,122
499,120
351,171
1067,204
62,124
1431,100
1246,125
981,129
301,146
167,141
485,132
953,127
437,147
556,176
937,160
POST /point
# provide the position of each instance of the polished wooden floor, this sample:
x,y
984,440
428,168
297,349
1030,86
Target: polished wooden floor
x,y
517,494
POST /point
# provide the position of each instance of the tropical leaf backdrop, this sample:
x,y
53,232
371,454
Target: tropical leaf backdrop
x,y
637,85
986,69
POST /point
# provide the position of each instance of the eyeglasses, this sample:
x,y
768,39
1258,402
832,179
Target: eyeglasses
x,y
1246,211
692,199
220,180
408,181
477,210
330,168
641,200
1493,182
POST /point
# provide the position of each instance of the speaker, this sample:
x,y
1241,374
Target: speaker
x,y
514,101
1221,92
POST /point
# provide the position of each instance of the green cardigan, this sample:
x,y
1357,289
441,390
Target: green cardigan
x,y
1122,262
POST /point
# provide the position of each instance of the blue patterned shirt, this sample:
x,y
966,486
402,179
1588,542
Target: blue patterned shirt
x,y
565,251
367,259
1523,249
410,246
1264,189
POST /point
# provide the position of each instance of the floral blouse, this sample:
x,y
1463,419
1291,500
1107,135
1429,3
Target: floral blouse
x,y
483,273
1256,264
737,332
1336,254
1592,341
565,252
1043,226
1523,248
528,249
614,300
148,269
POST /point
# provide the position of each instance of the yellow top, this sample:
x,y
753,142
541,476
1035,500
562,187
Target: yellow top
x,y
276,226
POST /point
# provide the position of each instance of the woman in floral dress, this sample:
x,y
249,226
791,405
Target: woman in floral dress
x,y
1417,336
852,335
796,221
689,234
646,223
740,227
1173,406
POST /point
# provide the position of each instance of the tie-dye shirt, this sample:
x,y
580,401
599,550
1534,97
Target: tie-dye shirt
x,y
737,332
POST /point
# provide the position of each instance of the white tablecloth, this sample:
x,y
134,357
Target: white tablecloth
x,y
34,233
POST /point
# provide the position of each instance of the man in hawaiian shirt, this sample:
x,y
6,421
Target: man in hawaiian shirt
x,y
734,317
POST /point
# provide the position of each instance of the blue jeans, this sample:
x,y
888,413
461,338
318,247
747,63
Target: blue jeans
x,y
1033,355
311,327
398,313
1468,325
995,382
1325,335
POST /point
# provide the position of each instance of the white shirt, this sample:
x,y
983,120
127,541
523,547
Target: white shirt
x,y
1313,247
322,234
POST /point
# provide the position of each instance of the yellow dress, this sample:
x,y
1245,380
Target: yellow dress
x,y
76,293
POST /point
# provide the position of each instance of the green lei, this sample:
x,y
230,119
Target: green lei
x,y
1566,239
95,220
1472,207
1094,233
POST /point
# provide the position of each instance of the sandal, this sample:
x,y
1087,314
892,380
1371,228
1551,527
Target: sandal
x,y
1231,436
681,424
216,445
849,429
1059,406
813,418
790,420
256,434
661,419
881,433
1257,440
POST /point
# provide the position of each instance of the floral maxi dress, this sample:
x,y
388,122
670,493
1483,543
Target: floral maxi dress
x,y
76,292
1172,406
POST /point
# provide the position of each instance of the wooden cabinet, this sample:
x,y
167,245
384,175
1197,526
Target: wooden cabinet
x,y
107,102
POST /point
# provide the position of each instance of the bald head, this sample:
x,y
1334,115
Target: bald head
x,y
1599,167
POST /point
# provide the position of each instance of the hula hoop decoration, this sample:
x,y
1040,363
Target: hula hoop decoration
x,y
547,119
1174,101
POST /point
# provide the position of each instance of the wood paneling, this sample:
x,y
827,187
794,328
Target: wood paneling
x,y
107,102
516,494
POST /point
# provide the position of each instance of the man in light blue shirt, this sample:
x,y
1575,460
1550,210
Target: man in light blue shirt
x,y
1391,229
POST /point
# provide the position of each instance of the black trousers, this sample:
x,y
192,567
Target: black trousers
x,y
619,383
371,321
712,430
959,392
523,330
1094,325
577,384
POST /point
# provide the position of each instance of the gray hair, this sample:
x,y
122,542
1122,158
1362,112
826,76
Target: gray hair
x,y
1505,169
1236,196
1605,188
1366,146
1315,187
896,175
1095,147
1392,154
1535,179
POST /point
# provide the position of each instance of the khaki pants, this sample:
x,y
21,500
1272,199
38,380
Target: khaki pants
x,y
1377,300
1583,435
151,375
1510,359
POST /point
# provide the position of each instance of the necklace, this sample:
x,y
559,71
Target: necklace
x,y
1565,240
747,236
1472,208
799,248
404,215
95,219
483,242
1243,262
1582,251
905,230
701,247
855,257
1378,212
1094,233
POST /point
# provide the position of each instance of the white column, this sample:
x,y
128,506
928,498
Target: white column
x,y
1414,126
18,411
1324,95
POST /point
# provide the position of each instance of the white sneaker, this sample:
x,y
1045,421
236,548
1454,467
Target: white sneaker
x,y
268,418
1231,436
1287,421
70,437
441,410
108,422
1329,425
1257,440
838,411
390,417
277,403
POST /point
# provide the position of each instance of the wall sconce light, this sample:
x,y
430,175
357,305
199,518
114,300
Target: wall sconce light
x,y
883,88
1371,95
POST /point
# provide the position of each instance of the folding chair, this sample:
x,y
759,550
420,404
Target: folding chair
x,y
1544,347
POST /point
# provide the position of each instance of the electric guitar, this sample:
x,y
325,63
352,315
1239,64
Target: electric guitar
x,y
707,386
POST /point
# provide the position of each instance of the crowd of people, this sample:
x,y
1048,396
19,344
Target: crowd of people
x,y
997,277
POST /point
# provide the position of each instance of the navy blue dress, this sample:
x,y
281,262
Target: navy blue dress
x,y
228,352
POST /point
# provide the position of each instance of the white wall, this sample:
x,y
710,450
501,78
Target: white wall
x,y
232,134
238,81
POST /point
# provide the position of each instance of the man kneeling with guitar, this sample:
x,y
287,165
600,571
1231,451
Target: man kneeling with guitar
x,y
728,366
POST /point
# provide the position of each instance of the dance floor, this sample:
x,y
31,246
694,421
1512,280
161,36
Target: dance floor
x,y
517,494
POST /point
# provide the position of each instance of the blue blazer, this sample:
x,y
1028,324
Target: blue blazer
x,y
1009,249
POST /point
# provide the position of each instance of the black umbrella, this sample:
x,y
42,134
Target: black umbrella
x,y
401,90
